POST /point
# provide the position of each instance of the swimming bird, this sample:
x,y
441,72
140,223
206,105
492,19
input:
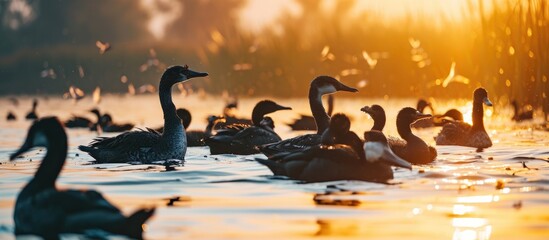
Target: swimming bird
x,y
11,116
424,122
521,114
436,120
422,104
195,137
32,114
244,140
449,116
41,209
463,134
148,145
307,122
339,132
78,122
411,148
320,86
93,126
231,118
378,115
337,162
108,125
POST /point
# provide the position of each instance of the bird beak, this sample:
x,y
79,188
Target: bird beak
x,y
343,87
27,145
390,158
192,74
422,115
487,101
284,108
366,109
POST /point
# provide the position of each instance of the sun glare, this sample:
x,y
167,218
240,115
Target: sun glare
x,y
258,14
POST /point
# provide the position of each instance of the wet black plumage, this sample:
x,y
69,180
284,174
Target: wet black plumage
x,y
521,114
333,161
242,139
32,114
411,148
42,210
463,134
148,145
320,86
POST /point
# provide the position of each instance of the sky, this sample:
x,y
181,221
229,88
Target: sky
x,y
260,13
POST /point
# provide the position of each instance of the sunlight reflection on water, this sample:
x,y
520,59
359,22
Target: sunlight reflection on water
x,y
464,195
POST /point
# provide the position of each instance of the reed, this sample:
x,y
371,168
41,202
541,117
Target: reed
x,y
497,44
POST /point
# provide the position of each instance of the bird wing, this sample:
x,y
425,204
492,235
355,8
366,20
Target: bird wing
x,y
141,138
291,144
453,133
232,129
256,136
398,145
46,212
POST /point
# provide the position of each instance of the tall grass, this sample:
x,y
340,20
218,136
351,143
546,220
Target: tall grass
x,y
500,45
515,54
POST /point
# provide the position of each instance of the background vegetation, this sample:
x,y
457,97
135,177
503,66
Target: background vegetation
x,y
499,44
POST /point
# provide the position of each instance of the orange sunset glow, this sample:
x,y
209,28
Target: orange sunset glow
x,y
274,119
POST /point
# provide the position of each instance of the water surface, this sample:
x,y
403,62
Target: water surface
x,y
500,193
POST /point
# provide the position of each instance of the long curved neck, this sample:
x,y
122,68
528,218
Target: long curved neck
x,y
98,115
403,128
257,116
209,128
171,120
51,165
478,115
516,108
379,122
322,119
330,104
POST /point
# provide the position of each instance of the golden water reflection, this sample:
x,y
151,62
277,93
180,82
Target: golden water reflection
x,y
471,228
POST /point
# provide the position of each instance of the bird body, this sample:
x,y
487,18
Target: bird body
x,y
521,114
78,122
411,148
463,134
11,116
32,114
320,86
436,120
333,161
41,209
242,139
147,145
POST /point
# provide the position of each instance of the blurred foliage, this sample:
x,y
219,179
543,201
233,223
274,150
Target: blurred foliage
x,y
501,47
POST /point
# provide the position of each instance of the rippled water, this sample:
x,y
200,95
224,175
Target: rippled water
x,y
501,193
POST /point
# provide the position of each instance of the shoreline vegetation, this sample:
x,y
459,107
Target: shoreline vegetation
x,y
500,45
